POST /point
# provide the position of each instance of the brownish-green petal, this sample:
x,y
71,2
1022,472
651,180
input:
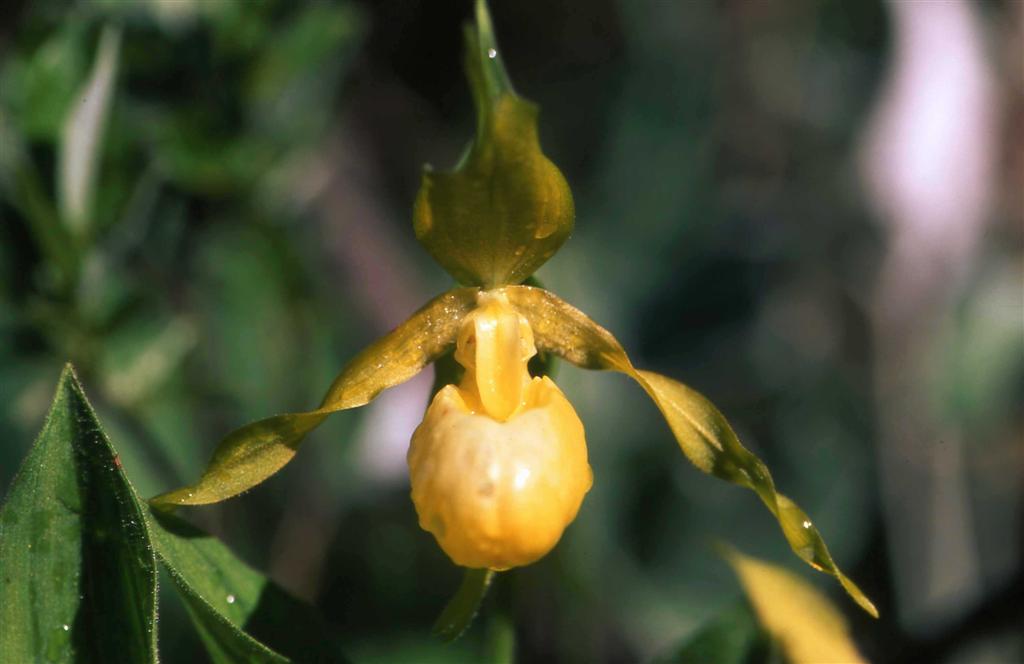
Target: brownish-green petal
x,y
703,433
710,443
506,208
251,454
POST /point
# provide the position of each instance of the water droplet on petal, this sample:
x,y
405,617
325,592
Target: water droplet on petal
x,y
65,627
231,599
491,53
807,524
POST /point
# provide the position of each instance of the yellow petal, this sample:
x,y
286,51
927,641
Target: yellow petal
x,y
702,432
251,454
802,620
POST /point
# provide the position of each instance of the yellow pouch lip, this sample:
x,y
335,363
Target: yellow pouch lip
x,y
512,522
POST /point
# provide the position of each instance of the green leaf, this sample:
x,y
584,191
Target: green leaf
x,y
730,638
29,196
37,91
22,187
703,433
82,137
505,209
463,607
249,455
232,605
77,574
78,556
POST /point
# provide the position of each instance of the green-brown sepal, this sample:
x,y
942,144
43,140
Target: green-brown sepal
x,y
505,209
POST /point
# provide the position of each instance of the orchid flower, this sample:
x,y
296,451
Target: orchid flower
x,y
498,466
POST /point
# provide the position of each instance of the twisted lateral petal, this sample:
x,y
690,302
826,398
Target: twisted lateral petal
x,y
251,454
711,444
702,432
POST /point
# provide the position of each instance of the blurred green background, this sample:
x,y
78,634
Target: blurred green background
x,y
212,244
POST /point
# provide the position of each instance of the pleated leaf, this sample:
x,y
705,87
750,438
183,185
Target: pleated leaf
x,y
506,208
77,574
803,621
240,615
702,432
251,454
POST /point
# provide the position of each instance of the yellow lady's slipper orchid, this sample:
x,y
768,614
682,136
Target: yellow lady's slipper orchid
x,y
499,465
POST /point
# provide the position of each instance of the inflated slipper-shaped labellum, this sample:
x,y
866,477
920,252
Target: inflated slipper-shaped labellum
x,y
499,465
